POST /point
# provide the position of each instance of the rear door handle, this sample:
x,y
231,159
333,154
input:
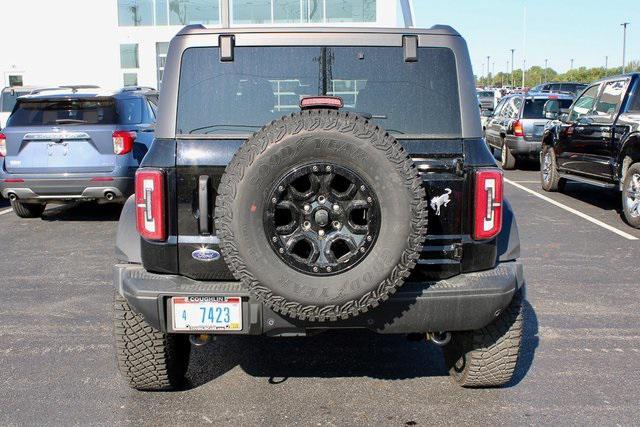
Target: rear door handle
x,y
203,204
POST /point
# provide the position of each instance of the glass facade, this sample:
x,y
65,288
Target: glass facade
x,y
129,56
134,13
255,12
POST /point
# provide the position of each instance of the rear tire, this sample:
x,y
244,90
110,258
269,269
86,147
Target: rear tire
x,y
487,357
549,177
147,358
631,196
28,210
507,159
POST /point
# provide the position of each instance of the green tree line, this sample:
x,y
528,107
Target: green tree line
x,y
536,75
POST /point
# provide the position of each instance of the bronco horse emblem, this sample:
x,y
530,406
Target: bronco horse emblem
x,y
438,202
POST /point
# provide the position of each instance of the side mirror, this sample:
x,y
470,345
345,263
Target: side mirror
x,y
551,109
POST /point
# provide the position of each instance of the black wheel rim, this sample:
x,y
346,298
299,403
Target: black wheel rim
x,y
322,219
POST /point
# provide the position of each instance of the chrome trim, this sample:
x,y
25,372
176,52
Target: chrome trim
x,y
212,240
55,136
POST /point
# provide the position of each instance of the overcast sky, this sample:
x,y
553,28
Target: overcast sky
x,y
559,30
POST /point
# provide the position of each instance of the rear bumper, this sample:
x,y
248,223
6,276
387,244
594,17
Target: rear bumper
x,y
523,147
70,188
465,302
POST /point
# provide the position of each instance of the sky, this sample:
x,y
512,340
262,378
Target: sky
x,y
558,30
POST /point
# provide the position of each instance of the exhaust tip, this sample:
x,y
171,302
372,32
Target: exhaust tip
x,y
109,195
200,340
439,338
13,197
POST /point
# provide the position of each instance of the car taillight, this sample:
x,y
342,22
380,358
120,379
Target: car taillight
x,y
150,204
123,141
3,145
517,129
488,204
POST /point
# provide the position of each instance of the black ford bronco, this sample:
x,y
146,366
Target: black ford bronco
x,y
303,180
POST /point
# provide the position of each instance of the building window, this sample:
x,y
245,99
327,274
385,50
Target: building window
x,y
133,13
187,12
15,80
129,56
161,60
351,10
130,79
302,11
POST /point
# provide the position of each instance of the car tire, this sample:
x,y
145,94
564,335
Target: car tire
x,y
487,357
507,159
631,195
549,178
28,210
300,284
148,358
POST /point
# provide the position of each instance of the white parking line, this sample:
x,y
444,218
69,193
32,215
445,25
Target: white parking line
x,y
6,211
573,211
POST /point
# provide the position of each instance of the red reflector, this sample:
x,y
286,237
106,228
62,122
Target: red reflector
x,y
3,145
553,97
150,204
101,179
123,141
487,204
321,102
14,180
517,129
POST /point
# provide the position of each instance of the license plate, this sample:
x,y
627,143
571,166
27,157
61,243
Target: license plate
x,y
207,313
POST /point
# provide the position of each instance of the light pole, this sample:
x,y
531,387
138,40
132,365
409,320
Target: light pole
x,y
624,47
606,66
512,82
488,70
572,63
546,63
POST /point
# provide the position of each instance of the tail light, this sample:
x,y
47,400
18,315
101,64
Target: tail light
x,y
3,145
150,204
488,204
518,129
123,141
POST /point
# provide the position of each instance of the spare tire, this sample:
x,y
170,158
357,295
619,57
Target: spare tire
x,y
321,214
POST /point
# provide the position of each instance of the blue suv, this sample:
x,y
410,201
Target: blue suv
x,y
75,143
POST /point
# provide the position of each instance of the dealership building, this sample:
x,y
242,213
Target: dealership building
x,y
114,43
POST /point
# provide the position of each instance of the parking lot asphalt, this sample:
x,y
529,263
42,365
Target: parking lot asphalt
x,y
580,363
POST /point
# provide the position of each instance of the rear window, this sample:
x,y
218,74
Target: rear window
x,y
9,100
410,99
485,94
534,108
95,111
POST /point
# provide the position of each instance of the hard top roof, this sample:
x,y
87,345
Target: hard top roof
x,y
196,29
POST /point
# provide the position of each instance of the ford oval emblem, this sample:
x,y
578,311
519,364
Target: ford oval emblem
x,y
205,255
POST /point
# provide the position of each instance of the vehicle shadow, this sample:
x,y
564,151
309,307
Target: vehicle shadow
x,y
83,211
530,343
329,355
337,354
606,199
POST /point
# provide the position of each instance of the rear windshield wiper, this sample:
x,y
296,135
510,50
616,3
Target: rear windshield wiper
x,y
70,121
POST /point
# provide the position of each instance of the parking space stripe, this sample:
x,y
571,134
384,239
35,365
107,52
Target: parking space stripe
x,y
573,211
6,211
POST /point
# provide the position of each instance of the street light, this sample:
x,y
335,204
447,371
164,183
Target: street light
x,y
512,82
624,47
546,63
572,63
606,66
488,69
